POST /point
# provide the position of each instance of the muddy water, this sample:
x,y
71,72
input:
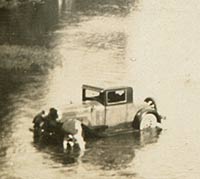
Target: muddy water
x,y
152,46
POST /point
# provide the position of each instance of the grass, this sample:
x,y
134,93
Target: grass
x,y
27,59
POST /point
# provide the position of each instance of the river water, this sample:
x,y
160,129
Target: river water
x,y
150,45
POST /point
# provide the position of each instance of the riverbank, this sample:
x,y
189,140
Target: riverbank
x,y
13,3
27,59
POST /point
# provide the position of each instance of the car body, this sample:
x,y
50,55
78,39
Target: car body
x,y
108,110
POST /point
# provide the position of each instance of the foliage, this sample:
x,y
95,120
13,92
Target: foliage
x,y
13,3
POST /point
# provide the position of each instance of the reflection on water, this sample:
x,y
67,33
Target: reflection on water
x,y
29,23
112,153
105,7
32,23
16,91
118,152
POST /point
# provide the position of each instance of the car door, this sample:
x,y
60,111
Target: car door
x,y
116,107
97,115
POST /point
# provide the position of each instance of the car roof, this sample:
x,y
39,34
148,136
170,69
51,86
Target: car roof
x,y
99,89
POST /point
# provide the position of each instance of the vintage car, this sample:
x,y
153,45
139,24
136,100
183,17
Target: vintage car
x,y
105,111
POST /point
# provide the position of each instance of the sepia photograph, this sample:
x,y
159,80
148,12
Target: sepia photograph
x,y
99,89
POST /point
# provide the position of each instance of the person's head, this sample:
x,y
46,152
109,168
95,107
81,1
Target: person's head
x,y
42,113
53,113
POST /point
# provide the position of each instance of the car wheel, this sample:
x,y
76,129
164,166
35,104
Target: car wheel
x,y
148,120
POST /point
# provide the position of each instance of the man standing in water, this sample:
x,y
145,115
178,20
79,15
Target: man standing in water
x,y
51,124
38,119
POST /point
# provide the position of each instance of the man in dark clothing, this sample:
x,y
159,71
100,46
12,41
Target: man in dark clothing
x,y
51,124
38,119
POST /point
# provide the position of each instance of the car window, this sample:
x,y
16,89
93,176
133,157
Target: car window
x,y
116,96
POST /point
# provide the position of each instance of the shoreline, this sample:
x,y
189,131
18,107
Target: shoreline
x,y
27,59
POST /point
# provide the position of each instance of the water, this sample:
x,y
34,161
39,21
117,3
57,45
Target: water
x,y
150,45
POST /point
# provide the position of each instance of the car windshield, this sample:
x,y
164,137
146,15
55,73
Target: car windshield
x,y
94,95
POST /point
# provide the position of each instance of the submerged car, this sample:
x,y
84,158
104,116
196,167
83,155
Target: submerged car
x,y
106,111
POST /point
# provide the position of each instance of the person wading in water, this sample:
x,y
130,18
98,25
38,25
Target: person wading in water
x,y
38,119
51,125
